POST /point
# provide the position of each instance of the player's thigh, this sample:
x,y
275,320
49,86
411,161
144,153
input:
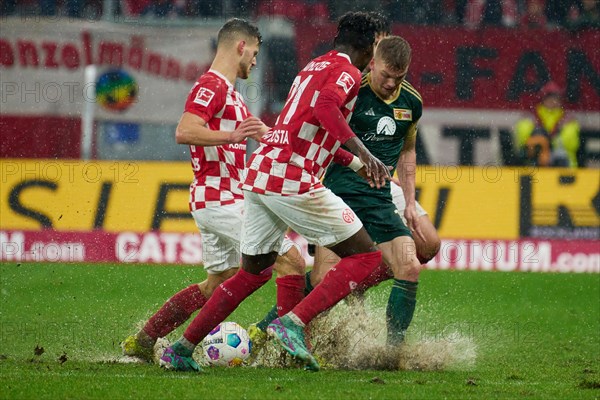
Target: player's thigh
x,y
381,220
400,202
220,229
324,260
320,216
401,256
263,230
428,248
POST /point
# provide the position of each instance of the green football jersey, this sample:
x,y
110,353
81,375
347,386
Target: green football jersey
x,y
382,126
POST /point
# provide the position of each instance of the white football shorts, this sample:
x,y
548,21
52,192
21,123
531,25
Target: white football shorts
x,y
400,202
320,216
220,228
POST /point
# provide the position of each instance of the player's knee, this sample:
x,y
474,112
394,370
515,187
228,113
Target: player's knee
x,y
213,281
409,271
291,263
429,250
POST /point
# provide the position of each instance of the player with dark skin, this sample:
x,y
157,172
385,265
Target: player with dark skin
x,y
216,202
282,188
390,135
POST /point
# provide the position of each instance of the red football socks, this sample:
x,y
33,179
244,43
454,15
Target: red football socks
x,y
337,284
223,301
380,274
175,312
290,291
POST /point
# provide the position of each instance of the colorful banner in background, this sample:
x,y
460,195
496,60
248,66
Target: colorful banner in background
x,y
138,212
578,256
143,74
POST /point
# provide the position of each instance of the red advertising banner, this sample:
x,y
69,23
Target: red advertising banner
x,y
101,246
525,255
491,68
579,256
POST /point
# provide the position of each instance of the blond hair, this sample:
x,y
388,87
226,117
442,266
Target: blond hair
x,y
394,51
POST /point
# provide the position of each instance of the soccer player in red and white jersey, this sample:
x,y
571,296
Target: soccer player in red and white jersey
x,y
215,123
282,188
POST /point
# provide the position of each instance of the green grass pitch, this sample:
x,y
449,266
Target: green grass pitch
x,y
537,336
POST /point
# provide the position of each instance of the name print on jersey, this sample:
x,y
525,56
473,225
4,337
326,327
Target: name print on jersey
x,y
278,136
316,66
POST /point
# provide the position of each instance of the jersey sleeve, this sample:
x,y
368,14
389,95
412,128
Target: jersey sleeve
x,y
343,157
344,82
206,98
417,104
338,93
417,109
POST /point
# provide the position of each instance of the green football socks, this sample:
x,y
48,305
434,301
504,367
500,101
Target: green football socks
x,y
400,310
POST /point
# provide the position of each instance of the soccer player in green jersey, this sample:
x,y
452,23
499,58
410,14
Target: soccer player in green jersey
x,y
385,119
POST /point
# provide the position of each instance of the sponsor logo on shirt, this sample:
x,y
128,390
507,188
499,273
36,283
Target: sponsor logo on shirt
x,y
345,81
204,97
237,146
370,112
386,126
402,114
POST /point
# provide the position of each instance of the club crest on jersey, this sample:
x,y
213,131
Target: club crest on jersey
x,y
348,216
402,114
345,81
204,97
386,126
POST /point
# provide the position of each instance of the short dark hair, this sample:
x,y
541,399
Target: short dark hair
x,y
383,23
238,26
356,29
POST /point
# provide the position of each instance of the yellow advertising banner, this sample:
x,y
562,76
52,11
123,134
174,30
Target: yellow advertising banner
x,y
463,202
114,196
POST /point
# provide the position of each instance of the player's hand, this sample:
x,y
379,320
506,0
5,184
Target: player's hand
x,y
412,221
261,132
250,127
376,172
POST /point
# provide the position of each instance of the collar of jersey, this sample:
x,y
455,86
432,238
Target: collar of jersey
x,y
346,56
389,101
220,75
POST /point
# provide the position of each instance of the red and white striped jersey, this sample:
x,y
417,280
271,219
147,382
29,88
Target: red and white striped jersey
x,y
294,154
217,169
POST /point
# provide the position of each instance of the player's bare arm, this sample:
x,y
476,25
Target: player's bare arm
x,y
192,130
407,165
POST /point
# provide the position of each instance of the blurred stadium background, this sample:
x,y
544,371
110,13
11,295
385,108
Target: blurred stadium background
x,y
91,92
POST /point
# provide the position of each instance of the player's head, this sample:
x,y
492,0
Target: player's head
x,y
356,33
384,27
245,39
389,65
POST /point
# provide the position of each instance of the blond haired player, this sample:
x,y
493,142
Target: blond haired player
x,y
282,188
